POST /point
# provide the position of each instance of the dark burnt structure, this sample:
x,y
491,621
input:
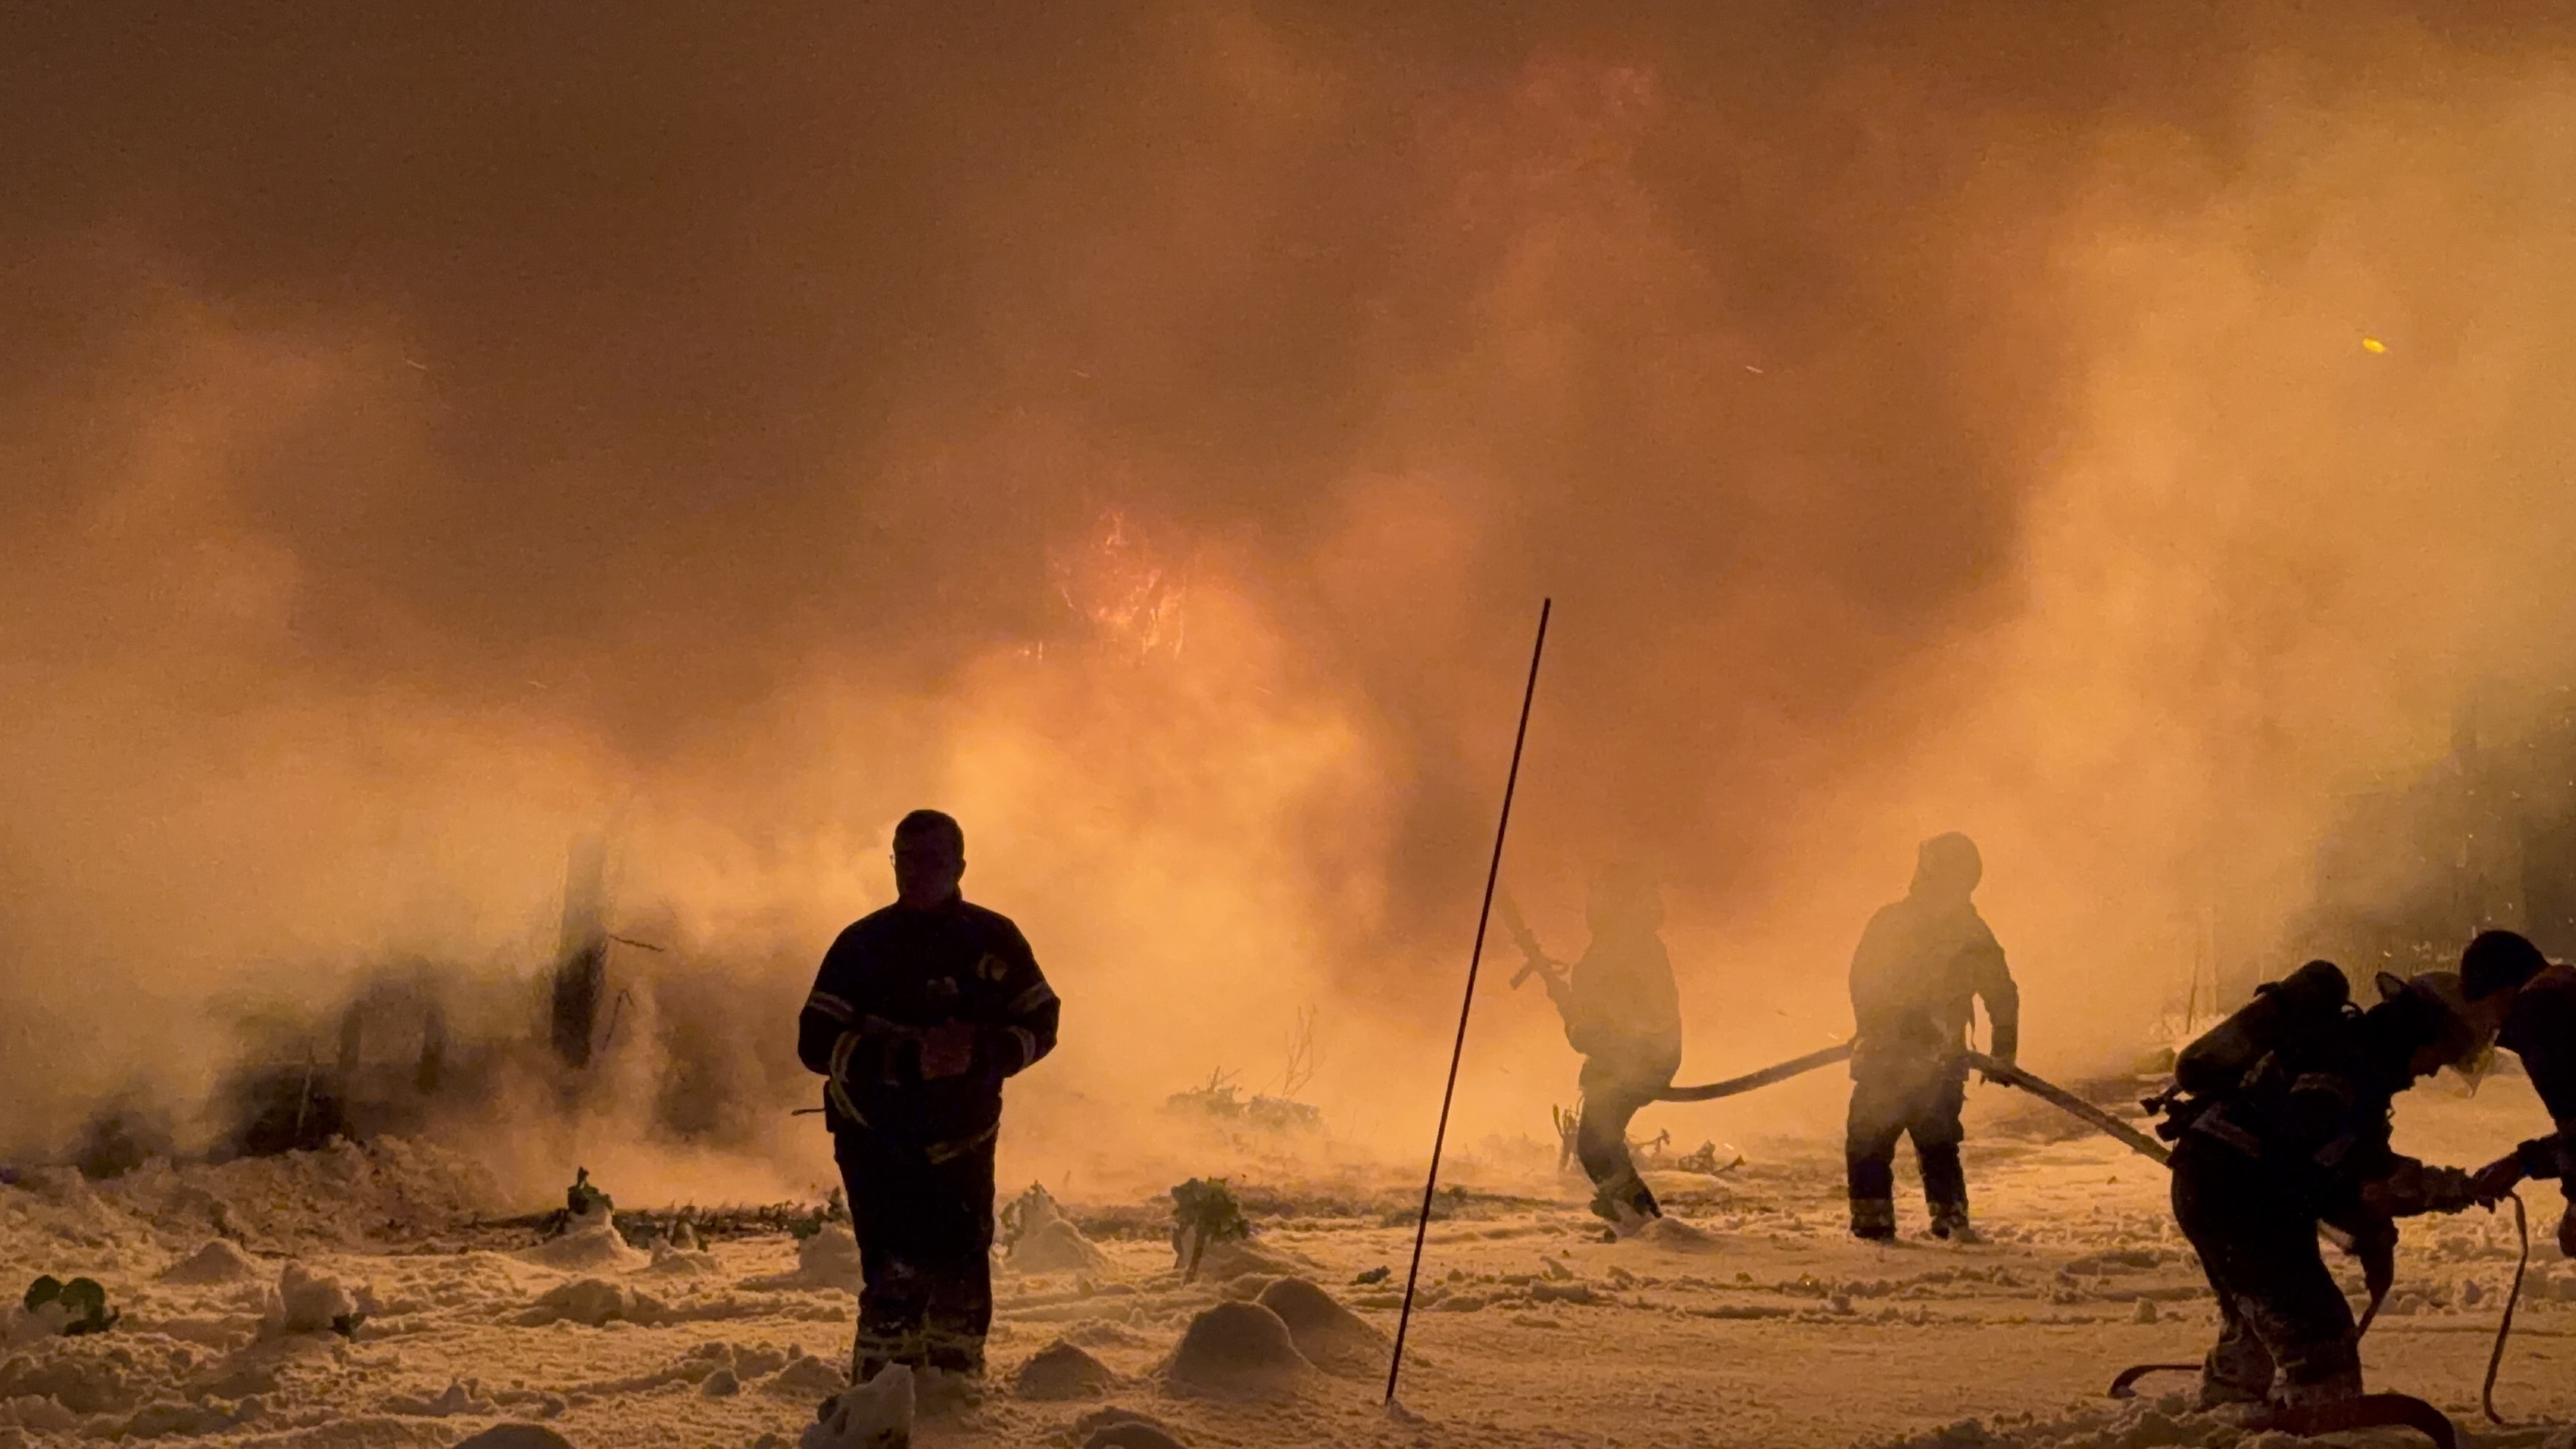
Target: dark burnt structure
x,y
2485,837
581,954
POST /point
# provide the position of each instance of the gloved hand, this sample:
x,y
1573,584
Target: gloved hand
x,y
2567,1231
2491,1182
2414,1189
947,1050
2001,1061
2377,1249
2449,1190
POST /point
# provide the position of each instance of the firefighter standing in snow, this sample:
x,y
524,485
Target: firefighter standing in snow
x,y
2531,1006
1920,965
1622,1012
2288,1128
918,1014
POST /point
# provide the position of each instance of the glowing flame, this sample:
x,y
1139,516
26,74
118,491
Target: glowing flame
x,y
1114,581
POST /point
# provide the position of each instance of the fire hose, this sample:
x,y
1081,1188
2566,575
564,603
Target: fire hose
x,y
1794,1067
2504,1325
1995,1070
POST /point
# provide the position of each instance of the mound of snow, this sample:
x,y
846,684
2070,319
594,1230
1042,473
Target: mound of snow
x,y
2162,1424
173,1419
339,1196
455,1399
1063,1371
669,1260
309,1301
1104,1333
254,1375
18,1324
219,1261
1237,1348
1131,1436
592,1245
63,1187
1115,1428
38,1415
830,1258
1057,1246
516,1436
86,1381
808,1378
590,1302
1327,1334
1238,1258
875,1415
1247,1287
1674,1235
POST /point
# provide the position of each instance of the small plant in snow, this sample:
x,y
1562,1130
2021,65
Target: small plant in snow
x,y
1027,1212
1569,1123
582,1199
82,1301
835,1209
1704,1161
1204,1211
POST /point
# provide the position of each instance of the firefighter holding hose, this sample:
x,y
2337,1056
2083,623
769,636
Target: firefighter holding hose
x,y
1622,1013
1921,965
2287,1128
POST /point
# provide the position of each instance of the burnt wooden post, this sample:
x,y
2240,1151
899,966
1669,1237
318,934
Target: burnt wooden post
x,y
581,951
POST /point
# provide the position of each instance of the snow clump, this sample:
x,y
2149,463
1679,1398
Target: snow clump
x,y
829,1258
1237,1348
874,1415
1326,1334
220,1261
1063,1371
309,1301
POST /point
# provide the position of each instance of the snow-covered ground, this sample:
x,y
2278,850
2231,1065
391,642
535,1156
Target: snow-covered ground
x,y
1747,1319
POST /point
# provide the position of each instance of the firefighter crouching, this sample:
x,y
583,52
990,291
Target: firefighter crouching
x,y
919,1013
2287,1127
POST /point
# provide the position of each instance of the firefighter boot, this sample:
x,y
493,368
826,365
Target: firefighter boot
x,y
1945,1192
1873,1219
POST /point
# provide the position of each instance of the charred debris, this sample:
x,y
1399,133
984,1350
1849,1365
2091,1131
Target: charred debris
x,y
413,1037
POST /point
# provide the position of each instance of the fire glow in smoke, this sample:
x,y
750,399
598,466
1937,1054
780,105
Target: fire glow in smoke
x,y
1144,436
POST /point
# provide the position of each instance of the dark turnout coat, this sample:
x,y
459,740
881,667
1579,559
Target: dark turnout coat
x,y
1622,1007
2317,1123
891,977
1919,967
2540,1029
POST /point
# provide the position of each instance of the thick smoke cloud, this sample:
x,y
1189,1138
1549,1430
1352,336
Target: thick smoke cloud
x,y
1148,429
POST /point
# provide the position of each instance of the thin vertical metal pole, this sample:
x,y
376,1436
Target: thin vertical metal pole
x,y
1475,957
